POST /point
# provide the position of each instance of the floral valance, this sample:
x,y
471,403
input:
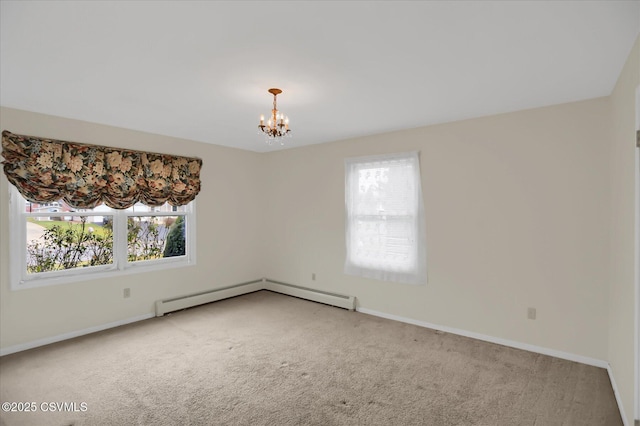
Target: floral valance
x,y
85,176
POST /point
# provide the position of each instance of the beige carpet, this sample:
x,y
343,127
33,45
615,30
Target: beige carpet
x,y
269,359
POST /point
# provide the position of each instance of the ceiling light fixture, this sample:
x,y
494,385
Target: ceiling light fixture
x,y
277,126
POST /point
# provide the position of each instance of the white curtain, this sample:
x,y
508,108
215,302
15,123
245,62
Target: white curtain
x,y
385,218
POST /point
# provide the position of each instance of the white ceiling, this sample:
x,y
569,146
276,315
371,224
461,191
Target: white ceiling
x,y
201,70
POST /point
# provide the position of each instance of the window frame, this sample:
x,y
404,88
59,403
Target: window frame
x,y
417,273
21,279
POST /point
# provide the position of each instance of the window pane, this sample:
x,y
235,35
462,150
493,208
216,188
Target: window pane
x,y
58,241
60,207
166,207
385,190
383,244
155,237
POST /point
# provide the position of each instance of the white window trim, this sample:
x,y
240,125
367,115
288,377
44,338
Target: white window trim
x,y
637,265
417,276
20,280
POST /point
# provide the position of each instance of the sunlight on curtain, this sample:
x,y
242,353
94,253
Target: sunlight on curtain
x,y
385,218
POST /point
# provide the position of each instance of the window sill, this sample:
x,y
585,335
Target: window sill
x,y
140,267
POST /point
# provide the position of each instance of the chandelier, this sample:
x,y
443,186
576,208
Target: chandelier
x,y
278,124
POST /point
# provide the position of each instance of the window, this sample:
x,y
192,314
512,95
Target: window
x,y
55,243
385,218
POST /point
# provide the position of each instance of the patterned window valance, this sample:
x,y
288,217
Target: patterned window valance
x,y
46,170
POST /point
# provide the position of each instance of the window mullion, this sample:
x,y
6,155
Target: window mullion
x,y
120,238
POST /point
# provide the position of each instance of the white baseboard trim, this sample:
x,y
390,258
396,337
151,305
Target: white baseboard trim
x,y
505,342
71,335
617,395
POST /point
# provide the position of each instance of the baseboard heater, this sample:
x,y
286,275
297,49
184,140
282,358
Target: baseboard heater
x,y
333,299
190,300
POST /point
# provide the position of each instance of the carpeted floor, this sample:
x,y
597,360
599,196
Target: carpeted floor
x,y
269,359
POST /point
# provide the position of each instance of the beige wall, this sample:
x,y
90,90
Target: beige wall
x,y
517,216
227,225
622,288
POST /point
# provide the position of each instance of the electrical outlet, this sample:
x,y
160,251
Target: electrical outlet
x,y
531,313
313,276
126,293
